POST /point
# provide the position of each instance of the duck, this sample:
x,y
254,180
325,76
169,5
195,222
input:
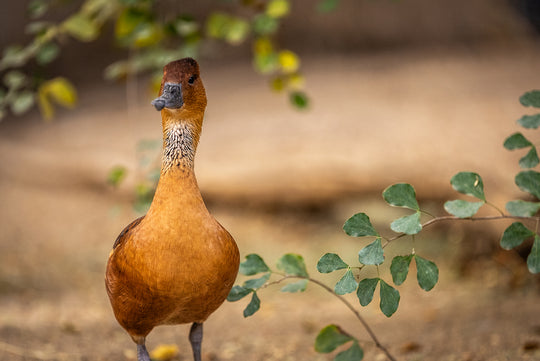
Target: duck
x,y
177,263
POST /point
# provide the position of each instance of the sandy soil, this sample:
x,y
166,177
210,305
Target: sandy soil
x,y
280,181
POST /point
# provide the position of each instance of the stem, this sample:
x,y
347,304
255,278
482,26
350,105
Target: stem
x,y
347,303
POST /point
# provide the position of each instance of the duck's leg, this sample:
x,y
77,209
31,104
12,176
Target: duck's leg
x,y
142,353
195,337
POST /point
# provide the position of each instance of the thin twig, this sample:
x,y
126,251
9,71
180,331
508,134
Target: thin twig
x,y
342,299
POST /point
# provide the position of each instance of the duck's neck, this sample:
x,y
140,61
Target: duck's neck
x,y
180,141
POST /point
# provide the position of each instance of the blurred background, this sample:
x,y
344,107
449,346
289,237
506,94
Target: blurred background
x,y
378,92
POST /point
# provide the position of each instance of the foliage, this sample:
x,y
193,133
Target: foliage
x,y
151,40
372,254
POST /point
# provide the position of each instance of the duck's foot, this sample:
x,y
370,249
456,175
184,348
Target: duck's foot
x,y
142,353
195,337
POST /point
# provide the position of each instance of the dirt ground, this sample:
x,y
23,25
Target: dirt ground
x,y
281,181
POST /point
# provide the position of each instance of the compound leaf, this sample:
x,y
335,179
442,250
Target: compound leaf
x,y
462,209
401,195
514,235
252,265
330,262
427,273
408,224
400,268
366,289
329,338
359,226
346,284
372,254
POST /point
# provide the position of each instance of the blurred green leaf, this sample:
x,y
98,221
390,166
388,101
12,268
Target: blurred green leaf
x,y
289,62
326,6
359,225
346,284
253,305
533,260
278,8
330,262
469,183
514,235
127,22
409,224
529,181
81,27
14,79
265,63
401,195
252,265
389,299
329,338
353,353
59,90
530,121
22,102
237,31
116,175
516,141
400,268
36,27
237,293
298,286
531,99
372,254
530,160
256,282
366,289
14,56
522,208
299,99
462,209
185,25
292,264
37,8
47,53
427,273
265,25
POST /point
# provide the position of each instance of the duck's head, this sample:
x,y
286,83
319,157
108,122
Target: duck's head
x,y
182,91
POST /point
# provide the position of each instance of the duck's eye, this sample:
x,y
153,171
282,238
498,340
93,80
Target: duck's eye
x,y
191,80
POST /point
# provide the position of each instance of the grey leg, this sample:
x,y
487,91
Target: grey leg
x,y
142,353
195,337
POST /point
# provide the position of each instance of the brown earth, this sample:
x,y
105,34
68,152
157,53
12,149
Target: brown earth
x,y
280,181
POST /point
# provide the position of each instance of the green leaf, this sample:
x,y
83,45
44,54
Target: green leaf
x,y
463,209
514,235
531,99
14,56
253,305
278,8
401,195
353,353
237,31
400,268
330,262
256,282
516,141
365,290
529,181
359,226
47,53
22,102
408,224
529,121
14,79
522,208
292,264
372,254
389,299
252,265
326,6
37,8
469,183
299,99
116,175
346,284
427,273
530,160
237,293
265,25
298,286
533,261
81,27
329,338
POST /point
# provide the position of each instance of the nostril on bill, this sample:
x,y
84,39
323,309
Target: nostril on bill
x,y
158,104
